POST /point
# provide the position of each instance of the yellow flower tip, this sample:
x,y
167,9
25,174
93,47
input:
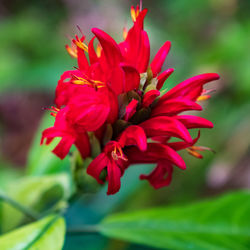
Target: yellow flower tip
x,y
125,33
98,50
134,12
72,52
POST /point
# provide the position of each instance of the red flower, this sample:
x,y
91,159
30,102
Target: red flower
x,y
115,95
114,159
62,128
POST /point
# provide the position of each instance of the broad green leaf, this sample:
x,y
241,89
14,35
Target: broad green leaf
x,y
37,193
221,223
47,233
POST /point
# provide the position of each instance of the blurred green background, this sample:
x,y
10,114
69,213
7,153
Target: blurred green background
x,y
206,36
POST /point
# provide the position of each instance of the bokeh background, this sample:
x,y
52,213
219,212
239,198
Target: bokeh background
x,y
206,36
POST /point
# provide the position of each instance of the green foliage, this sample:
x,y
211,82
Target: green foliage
x,y
38,193
222,223
47,233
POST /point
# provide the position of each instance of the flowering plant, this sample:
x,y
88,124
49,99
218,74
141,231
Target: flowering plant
x,y
116,96
116,111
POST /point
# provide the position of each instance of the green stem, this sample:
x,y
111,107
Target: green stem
x,y
83,230
26,211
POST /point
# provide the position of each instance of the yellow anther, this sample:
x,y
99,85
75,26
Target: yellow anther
x,y
134,12
203,98
118,155
98,50
133,15
125,33
82,81
71,51
194,153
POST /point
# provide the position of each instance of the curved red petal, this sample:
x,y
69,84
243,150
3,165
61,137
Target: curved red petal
x,y
174,106
144,55
149,97
114,176
159,58
130,109
163,77
82,60
110,47
134,136
92,54
83,145
166,126
191,121
96,166
161,176
132,77
190,88
63,147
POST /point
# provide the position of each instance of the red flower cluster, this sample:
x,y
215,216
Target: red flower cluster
x,y
114,96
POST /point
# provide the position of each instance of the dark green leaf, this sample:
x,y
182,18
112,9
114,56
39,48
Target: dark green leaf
x,y
222,223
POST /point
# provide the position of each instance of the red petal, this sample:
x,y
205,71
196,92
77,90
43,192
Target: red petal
x,y
97,165
130,109
92,54
140,19
82,144
63,147
182,145
190,88
143,58
157,178
163,77
191,121
89,109
159,58
117,80
134,136
64,88
114,176
132,78
114,108
82,60
149,97
109,46
154,153
166,126
174,106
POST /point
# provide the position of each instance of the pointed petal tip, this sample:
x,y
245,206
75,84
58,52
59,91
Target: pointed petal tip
x,y
94,30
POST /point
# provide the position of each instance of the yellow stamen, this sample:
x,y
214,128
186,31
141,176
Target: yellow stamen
x,y
81,45
98,50
133,14
82,81
194,153
203,98
72,52
120,155
125,33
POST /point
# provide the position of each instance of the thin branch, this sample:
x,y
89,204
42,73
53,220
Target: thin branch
x,y
26,211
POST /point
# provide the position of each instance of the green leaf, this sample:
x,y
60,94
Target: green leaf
x,y
221,223
37,193
47,233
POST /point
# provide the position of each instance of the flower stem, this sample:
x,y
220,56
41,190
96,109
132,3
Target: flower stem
x,y
26,211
